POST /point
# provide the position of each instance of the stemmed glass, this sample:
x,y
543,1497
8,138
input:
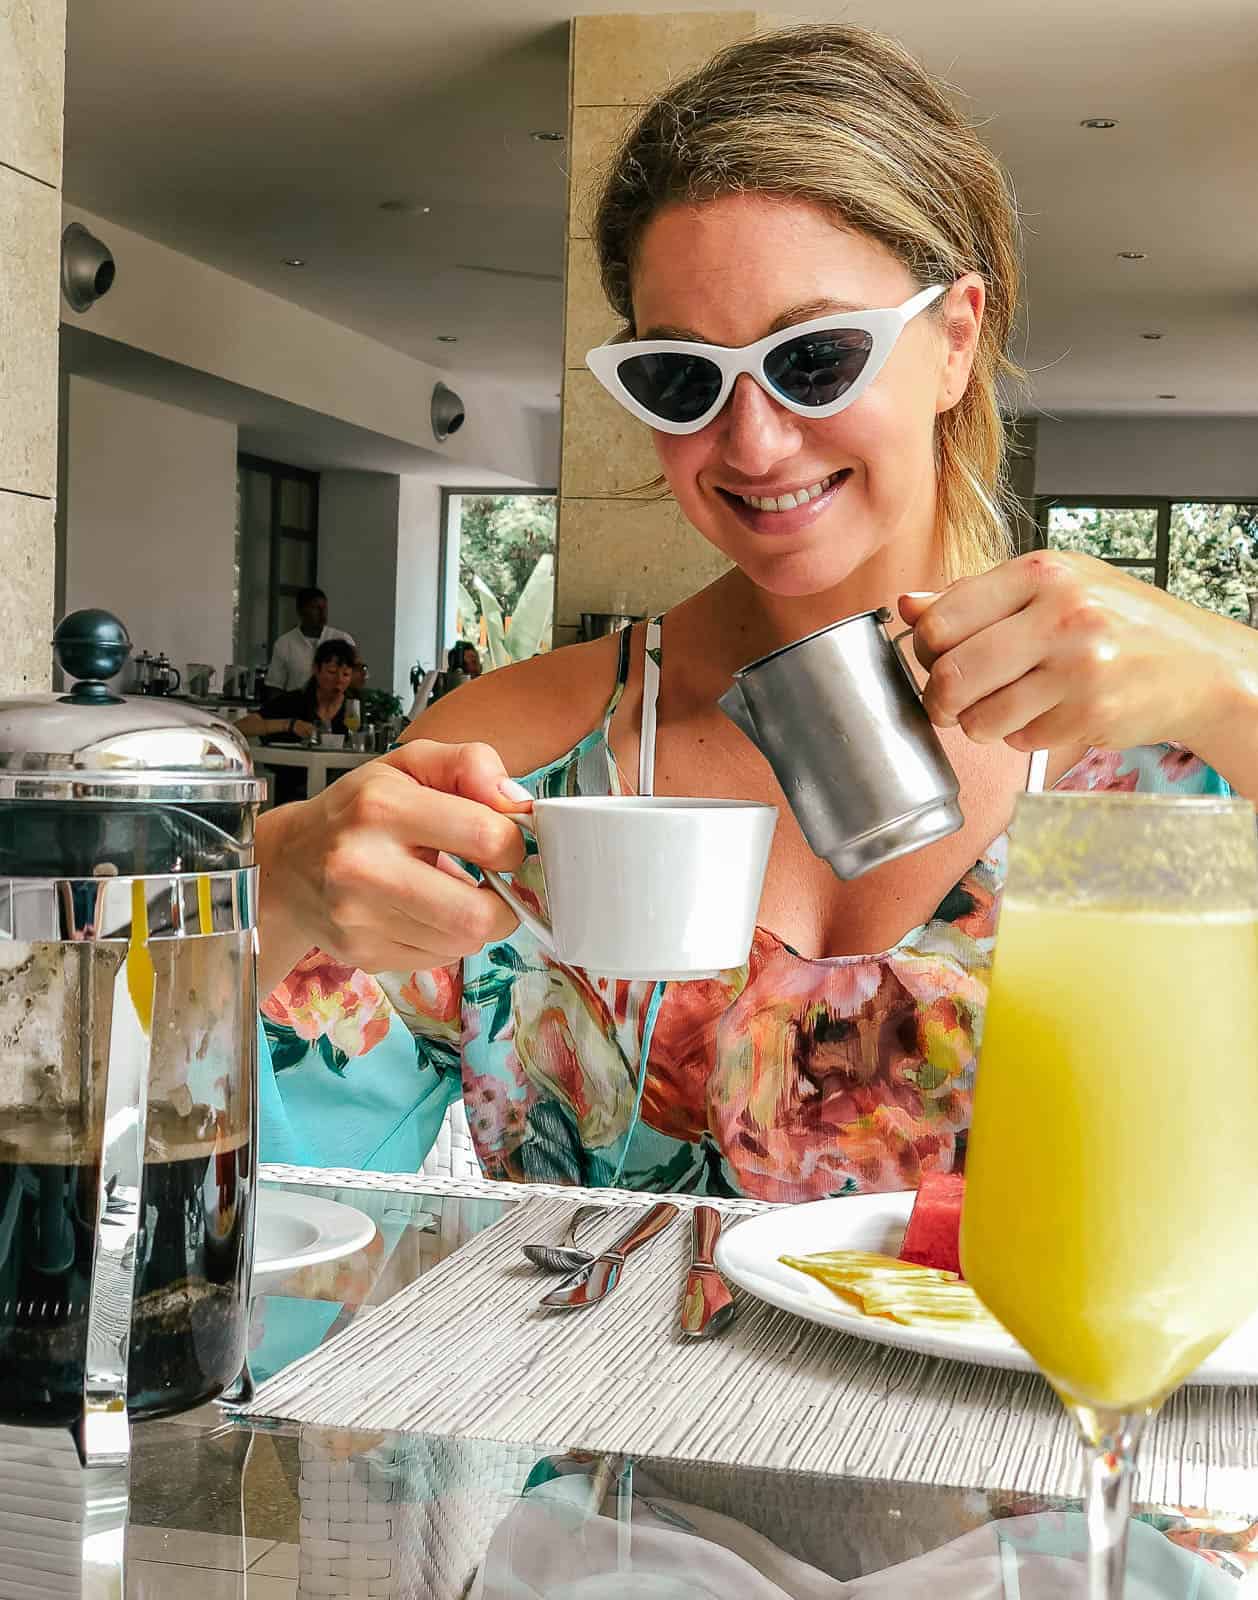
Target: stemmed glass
x,y
1111,1180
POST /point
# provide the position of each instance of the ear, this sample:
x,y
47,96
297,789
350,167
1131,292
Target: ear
x,y
962,317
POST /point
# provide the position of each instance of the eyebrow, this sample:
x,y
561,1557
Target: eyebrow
x,y
807,311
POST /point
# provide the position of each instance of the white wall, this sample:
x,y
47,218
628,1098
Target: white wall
x,y
150,520
1182,457
358,562
183,310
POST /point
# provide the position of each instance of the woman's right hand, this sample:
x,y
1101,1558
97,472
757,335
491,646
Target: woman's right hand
x,y
364,870
302,730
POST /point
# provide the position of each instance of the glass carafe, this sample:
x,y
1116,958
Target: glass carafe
x,y
128,1067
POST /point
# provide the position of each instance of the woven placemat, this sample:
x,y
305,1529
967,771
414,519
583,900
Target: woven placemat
x,y
465,1352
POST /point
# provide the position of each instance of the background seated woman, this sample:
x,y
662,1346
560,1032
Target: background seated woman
x,y
320,703
296,713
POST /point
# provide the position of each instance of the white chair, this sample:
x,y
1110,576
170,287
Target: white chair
x,y
453,1154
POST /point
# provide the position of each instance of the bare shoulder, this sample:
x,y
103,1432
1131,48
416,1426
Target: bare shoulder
x,y
532,712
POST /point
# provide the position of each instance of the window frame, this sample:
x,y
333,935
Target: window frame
x,y
1161,504
279,472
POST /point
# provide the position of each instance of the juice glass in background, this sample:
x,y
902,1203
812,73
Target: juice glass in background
x,y
353,716
1111,1175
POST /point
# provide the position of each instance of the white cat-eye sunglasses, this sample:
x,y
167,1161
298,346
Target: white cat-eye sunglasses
x,y
814,369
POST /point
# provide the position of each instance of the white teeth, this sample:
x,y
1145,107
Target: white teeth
x,y
788,502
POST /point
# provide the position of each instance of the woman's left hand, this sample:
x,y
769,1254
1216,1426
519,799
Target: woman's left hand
x,y
1059,649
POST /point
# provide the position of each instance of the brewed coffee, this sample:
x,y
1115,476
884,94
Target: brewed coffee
x,y
188,1327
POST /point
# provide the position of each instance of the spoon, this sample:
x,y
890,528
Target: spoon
x,y
564,1256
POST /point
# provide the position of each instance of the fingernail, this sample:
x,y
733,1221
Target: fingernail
x,y
513,791
920,594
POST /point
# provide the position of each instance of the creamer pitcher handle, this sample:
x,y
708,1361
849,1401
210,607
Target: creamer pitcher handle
x,y
903,659
536,924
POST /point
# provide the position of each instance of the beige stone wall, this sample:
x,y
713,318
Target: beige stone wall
x,y
622,544
32,72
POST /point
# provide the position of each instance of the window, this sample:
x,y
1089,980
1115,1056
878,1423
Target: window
x,y
498,573
1203,551
277,551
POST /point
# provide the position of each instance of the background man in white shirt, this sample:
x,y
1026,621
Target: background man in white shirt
x,y
293,660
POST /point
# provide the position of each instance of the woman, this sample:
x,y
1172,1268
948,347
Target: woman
x,y
296,713
799,177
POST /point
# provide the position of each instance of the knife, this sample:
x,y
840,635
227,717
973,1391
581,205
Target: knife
x,y
592,1283
707,1305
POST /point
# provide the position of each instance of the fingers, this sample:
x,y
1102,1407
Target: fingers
x,y
1011,711
473,771
966,677
391,802
979,602
381,910
913,606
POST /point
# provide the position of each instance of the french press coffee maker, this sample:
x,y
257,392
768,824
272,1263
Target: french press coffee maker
x,y
128,1120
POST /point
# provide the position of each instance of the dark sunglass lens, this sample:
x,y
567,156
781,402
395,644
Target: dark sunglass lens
x,y
819,368
672,386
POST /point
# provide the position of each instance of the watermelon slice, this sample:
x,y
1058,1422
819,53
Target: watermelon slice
x,y
933,1236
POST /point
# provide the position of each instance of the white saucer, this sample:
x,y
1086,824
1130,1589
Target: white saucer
x,y
300,1230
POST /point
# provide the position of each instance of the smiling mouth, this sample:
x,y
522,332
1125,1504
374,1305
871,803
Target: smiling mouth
x,y
793,500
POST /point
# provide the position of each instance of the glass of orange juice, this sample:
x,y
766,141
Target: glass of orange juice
x,y
1111,1179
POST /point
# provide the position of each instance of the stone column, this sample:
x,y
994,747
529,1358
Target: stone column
x,y
32,71
623,544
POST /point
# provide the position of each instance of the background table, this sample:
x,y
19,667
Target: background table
x,y
224,1510
316,761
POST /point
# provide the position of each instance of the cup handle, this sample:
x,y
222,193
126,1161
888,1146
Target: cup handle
x,y
536,924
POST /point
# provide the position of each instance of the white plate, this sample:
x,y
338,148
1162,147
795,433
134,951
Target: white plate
x,y
300,1230
748,1255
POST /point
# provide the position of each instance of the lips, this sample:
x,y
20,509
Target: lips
x,y
789,511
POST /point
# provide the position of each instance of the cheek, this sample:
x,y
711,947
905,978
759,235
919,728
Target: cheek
x,y
681,457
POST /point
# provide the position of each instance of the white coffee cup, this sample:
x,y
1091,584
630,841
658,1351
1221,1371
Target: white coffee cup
x,y
647,887
332,741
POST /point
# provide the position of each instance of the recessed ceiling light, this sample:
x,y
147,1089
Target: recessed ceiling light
x,y
547,136
1098,122
1150,335
1168,397
294,261
1132,255
406,208
447,338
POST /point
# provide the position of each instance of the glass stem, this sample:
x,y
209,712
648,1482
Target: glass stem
x,y
1111,1439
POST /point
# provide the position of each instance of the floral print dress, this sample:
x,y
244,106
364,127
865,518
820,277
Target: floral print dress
x,y
787,1079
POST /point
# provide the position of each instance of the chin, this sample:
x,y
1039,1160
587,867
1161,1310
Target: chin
x,y
803,573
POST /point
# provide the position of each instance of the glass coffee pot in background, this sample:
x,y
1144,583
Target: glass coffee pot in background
x,y
128,1074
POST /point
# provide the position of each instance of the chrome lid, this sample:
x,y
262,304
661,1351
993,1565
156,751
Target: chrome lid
x,y
91,744
136,748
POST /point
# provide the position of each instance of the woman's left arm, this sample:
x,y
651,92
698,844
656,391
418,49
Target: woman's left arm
x,y
1059,649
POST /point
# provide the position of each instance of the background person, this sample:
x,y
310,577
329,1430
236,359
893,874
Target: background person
x,y
292,660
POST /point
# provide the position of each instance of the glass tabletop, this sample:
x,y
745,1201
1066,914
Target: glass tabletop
x,y
216,1508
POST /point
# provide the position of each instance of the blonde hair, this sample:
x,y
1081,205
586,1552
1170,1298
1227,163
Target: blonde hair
x,y
845,118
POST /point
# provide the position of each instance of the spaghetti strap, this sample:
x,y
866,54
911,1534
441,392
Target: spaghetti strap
x,y
618,689
652,658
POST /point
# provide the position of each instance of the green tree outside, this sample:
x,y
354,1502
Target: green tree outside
x,y
1212,560
501,539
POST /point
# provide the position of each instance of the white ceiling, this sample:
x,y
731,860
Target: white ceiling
x,y
244,131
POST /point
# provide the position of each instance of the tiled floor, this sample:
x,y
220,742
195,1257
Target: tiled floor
x,y
170,1564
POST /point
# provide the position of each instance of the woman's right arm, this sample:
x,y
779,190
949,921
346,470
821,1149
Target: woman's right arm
x,y
363,871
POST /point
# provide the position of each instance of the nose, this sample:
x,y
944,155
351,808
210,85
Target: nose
x,y
759,434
